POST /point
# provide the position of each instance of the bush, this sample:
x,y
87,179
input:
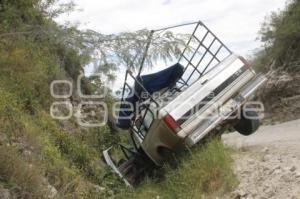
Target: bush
x,y
280,34
206,172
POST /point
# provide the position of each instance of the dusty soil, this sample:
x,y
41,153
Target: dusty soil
x,y
267,163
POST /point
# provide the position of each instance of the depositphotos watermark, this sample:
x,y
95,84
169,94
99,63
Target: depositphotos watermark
x,y
92,112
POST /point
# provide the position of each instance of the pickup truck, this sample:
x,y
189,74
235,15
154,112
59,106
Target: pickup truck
x,y
176,108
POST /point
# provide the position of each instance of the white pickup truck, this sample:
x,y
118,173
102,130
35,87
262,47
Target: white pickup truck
x,y
167,111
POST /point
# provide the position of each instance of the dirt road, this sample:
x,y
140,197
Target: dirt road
x,y
268,162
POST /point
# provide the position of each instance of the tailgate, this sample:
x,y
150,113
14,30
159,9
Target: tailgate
x,y
217,86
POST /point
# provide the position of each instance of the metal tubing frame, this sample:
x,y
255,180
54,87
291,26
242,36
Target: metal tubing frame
x,y
182,56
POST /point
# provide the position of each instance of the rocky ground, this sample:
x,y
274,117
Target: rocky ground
x,y
267,163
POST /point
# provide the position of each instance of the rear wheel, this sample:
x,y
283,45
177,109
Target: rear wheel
x,y
168,156
248,123
129,170
136,168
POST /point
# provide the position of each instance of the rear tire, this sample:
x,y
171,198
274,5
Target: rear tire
x,y
136,168
168,156
129,170
247,126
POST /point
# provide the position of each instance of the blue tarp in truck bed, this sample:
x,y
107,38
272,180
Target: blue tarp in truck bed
x,y
166,78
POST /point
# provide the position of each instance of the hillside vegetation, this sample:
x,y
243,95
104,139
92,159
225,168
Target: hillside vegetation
x,y
280,59
44,158
40,157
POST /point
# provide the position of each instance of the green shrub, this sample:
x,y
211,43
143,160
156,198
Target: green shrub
x,y
206,172
281,38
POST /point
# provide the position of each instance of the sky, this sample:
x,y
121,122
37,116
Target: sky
x,y
235,22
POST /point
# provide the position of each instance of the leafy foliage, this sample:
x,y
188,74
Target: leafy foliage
x,y
128,48
106,52
280,34
280,60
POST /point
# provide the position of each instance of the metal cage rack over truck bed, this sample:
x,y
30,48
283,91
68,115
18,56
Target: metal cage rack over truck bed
x,y
209,51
